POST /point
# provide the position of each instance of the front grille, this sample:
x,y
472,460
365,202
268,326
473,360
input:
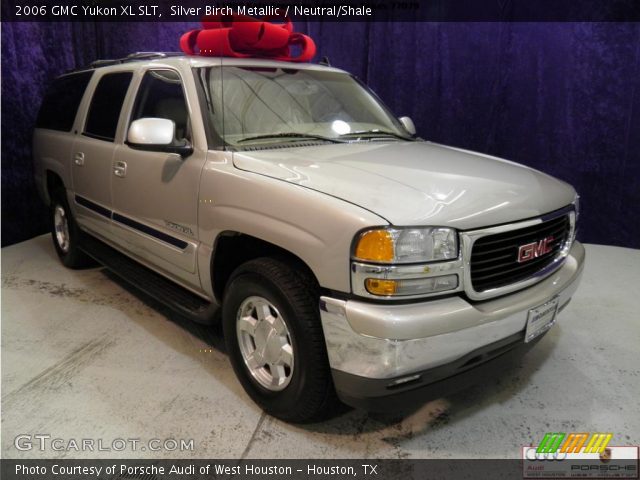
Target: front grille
x,y
494,258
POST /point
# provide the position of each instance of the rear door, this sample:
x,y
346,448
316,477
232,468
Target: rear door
x,y
93,151
155,195
54,133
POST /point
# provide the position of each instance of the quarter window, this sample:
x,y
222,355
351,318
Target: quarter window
x,y
106,104
61,102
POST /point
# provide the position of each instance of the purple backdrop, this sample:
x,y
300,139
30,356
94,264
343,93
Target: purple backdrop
x,y
561,97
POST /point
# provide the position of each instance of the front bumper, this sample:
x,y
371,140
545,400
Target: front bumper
x,y
372,346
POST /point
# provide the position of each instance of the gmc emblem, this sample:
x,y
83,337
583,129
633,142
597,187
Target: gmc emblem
x,y
534,250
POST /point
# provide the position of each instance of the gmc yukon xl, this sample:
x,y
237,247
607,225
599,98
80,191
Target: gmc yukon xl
x,y
352,261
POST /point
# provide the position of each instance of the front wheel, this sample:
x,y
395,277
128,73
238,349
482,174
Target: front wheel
x,y
275,342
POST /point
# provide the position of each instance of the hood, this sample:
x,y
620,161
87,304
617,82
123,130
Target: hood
x,y
416,183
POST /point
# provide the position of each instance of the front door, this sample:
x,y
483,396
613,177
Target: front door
x,y
155,194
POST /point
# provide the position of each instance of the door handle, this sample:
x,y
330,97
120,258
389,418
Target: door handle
x,y
78,159
120,169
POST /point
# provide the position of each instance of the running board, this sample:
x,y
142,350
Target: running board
x,y
166,292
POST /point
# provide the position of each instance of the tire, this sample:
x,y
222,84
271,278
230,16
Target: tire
x,y
294,383
65,232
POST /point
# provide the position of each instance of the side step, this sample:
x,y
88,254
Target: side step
x,y
173,296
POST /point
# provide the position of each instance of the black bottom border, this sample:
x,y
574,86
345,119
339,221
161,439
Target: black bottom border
x,y
196,469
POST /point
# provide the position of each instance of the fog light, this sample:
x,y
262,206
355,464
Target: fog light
x,y
412,286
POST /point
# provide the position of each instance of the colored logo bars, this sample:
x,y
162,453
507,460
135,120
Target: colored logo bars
x,y
573,442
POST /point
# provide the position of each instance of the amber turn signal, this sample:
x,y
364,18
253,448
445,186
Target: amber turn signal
x,y
375,246
376,286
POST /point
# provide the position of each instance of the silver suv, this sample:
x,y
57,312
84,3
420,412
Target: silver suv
x,y
351,260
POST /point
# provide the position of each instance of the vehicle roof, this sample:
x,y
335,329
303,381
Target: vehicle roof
x,y
195,61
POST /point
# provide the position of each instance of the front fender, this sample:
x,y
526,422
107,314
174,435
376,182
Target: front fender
x,y
316,227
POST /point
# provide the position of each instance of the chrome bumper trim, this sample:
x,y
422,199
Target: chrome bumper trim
x,y
384,341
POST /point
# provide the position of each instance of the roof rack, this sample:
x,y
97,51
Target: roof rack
x,y
134,57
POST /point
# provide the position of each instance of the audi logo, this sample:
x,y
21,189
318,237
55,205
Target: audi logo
x,y
531,454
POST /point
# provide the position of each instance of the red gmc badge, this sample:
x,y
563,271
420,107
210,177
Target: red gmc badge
x,y
534,250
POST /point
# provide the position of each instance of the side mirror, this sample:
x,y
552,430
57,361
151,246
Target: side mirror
x,y
156,135
408,125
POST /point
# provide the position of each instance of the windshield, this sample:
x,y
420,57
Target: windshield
x,y
275,105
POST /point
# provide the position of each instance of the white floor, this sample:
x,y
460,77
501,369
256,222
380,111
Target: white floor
x,y
85,358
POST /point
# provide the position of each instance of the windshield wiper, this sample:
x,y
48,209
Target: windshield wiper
x,y
291,135
375,133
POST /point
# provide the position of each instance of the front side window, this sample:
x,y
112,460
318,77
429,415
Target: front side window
x,y
161,96
255,104
106,104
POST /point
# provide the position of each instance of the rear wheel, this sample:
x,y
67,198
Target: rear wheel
x,y
275,342
65,232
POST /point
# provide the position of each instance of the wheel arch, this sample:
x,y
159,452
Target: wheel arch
x,y
232,249
53,182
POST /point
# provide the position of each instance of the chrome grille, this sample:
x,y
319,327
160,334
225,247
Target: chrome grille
x,y
494,258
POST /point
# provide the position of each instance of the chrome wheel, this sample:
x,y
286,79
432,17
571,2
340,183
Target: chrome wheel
x,y
61,225
265,343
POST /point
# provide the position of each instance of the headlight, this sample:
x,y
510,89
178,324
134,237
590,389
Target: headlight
x,y
407,245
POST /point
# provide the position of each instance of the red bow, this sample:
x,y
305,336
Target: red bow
x,y
243,36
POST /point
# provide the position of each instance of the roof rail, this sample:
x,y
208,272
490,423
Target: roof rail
x,y
145,55
133,57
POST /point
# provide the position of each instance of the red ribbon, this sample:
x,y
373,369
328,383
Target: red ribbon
x,y
242,36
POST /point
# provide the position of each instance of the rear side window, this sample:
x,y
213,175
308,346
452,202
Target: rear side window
x,y
104,111
61,102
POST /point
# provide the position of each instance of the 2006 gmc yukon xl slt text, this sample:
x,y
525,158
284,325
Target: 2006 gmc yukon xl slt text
x,y
352,261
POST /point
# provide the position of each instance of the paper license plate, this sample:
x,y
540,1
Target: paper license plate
x,y
540,319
